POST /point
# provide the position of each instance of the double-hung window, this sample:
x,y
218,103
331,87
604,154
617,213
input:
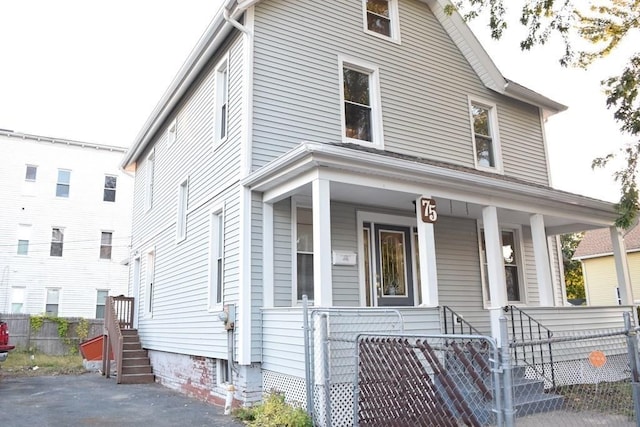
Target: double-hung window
x,y
216,257
30,173
64,182
17,299
304,253
172,133
101,302
29,186
106,244
109,193
181,221
52,301
381,18
57,241
149,177
221,101
486,143
512,259
361,112
24,235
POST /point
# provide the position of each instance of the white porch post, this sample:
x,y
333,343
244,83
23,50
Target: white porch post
x,y
541,255
495,268
622,266
267,255
427,254
322,283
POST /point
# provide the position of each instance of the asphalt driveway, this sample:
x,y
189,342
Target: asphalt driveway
x,y
92,400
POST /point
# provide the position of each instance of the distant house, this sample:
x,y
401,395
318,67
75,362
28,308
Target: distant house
x,y
65,218
598,265
366,154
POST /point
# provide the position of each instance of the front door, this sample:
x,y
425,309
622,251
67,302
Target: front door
x,y
393,265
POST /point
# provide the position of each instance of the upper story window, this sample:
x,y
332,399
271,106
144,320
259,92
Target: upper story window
x,y
24,235
29,185
362,118
381,18
304,253
109,194
485,136
149,177
513,265
216,257
106,243
57,241
181,221
172,133
31,173
64,182
52,302
222,101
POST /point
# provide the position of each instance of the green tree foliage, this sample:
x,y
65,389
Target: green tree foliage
x,y
572,268
590,31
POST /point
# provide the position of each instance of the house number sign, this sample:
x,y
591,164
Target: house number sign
x,y
428,210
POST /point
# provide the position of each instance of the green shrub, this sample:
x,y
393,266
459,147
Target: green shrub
x,y
274,412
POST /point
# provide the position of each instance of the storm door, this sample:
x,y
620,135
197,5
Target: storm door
x,y
393,265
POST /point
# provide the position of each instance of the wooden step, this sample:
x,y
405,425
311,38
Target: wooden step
x,y
131,345
134,354
137,369
136,361
136,379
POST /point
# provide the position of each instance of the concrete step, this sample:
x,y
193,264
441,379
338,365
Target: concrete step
x,y
534,404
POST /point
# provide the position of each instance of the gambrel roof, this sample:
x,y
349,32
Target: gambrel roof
x,y
224,21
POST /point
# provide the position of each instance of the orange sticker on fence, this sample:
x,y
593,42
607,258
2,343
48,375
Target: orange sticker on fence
x,y
597,358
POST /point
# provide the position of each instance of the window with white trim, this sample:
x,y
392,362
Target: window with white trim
x,y
513,265
52,301
57,241
216,258
24,235
17,299
64,183
361,113
172,133
149,177
486,144
101,302
304,253
149,283
30,173
381,18
29,185
106,244
221,101
109,192
183,200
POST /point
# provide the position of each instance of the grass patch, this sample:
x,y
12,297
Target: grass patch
x,y
613,398
27,364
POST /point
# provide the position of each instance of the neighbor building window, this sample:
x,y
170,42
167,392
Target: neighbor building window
x,y
101,302
57,241
512,260
222,100
361,106
17,300
106,244
52,301
304,253
149,177
172,133
64,182
216,257
485,136
181,221
109,194
381,18
24,235
31,173
29,185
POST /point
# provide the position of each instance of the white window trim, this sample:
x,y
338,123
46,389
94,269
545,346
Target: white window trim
x,y
182,210
23,302
374,96
104,187
46,291
394,18
216,215
149,180
295,205
219,100
105,301
111,245
221,372
495,133
172,133
520,257
62,229
24,230
25,173
149,276
61,183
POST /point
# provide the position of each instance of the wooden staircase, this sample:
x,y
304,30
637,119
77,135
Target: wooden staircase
x,y
132,361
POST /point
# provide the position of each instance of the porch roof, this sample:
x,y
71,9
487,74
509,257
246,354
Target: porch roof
x,y
374,177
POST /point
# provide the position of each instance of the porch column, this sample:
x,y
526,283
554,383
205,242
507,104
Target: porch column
x,y
541,255
495,268
322,283
427,254
267,255
622,266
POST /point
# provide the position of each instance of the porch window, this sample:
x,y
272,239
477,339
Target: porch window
x,y
381,18
304,253
512,265
485,136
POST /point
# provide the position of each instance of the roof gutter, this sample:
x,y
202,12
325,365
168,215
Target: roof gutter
x,y
517,91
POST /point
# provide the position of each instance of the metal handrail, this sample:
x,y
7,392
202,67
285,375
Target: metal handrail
x,y
532,353
450,316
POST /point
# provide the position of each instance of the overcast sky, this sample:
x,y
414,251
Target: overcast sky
x,y
94,70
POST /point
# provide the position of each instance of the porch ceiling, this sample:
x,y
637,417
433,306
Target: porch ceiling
x,y
392,181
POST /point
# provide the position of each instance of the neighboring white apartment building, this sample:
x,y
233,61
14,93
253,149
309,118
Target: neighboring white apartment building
x,y
65,221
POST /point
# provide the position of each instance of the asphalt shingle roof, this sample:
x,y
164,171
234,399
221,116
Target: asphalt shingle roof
x,y
598,242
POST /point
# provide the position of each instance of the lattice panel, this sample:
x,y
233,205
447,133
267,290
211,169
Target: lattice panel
x,y
292,387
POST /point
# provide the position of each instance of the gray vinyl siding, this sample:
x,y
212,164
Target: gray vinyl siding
x,y
181,320
256,277
282,253
283,341
425,84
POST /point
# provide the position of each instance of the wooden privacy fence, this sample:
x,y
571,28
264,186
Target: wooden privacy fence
x,y
46,338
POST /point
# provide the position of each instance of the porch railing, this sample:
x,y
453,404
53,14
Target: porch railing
x,y
455,324
118,316
526,334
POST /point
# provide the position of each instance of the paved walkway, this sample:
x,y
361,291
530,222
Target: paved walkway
x,y
92,400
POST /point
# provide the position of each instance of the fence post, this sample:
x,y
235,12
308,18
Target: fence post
x,y
326,375
507,379
632,345
307,355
